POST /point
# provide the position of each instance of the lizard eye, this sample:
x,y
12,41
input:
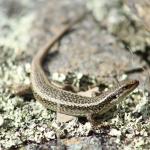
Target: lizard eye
x,y
114,96
128,86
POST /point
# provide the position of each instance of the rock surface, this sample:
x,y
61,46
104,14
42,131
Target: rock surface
x,y
95,54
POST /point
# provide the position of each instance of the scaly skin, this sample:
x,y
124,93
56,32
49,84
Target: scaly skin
x,y
70,103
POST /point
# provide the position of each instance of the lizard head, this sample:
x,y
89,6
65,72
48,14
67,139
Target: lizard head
x,y
128,86
117,94
125,88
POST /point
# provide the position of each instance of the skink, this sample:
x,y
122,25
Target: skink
x,y
67,102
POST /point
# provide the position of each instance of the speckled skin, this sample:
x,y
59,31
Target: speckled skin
x,y
67,102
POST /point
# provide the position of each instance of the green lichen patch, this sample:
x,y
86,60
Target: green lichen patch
x,y
121,22
26,120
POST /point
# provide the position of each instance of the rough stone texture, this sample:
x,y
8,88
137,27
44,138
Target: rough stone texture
x,y
94,47
141,10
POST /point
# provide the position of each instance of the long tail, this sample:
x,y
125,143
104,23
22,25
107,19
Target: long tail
x,y
39,57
